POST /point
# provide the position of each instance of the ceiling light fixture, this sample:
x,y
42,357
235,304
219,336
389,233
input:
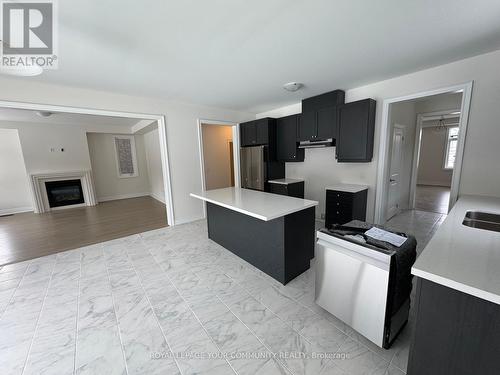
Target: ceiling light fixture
x,y
441,126
292,86
28,71
44,113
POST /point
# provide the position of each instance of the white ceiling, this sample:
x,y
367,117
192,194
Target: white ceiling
x,y
238,53
63,118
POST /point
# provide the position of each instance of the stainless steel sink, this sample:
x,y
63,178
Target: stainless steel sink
x,y
482,220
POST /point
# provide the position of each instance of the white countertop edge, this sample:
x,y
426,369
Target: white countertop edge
x,y
253,214
348,188
286,181
456,286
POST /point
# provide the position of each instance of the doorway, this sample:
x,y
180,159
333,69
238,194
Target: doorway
x,y
394,194
219,156
69,180
436,150
403,144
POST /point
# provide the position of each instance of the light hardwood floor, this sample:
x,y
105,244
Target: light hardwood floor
x,y
27,235
432,198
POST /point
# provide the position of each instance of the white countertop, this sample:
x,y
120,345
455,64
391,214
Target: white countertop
x,y
263,206
463,258
285,181
349,188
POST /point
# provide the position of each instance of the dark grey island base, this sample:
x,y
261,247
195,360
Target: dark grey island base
x,y
455,333
282,247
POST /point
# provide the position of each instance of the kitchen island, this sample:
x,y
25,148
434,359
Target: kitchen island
x,y
457,329
273,232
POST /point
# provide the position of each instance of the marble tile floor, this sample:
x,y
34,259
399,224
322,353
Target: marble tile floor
x,y
170,301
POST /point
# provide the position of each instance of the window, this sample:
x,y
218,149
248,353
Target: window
x,y
451,147
126,160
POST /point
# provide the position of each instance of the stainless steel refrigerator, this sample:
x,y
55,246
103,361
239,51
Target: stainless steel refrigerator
x,y
253,167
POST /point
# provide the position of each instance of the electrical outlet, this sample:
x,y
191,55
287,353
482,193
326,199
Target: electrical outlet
x,y
322,216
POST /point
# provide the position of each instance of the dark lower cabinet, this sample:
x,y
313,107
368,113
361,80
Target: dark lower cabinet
x,y
344,206
455,333
355,130
286,139
282,247
295,189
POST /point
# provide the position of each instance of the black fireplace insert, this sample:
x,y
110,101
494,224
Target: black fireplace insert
x,y
64,193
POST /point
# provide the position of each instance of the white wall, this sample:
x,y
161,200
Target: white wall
x,y
37,141
153,159
432,153
217,155
480,170
103,159
181,119
14,186
440,102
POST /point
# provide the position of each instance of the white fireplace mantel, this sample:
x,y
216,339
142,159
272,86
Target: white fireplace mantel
x,y
38,180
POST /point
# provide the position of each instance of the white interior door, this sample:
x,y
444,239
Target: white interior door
x,y
394,194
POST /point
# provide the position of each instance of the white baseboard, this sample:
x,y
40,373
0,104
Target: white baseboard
x,y
122,196
188,220
158,197
17,210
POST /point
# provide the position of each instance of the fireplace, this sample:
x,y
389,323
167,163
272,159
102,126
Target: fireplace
x,y
64,192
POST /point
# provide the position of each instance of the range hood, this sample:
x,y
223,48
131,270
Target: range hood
x,y
317,143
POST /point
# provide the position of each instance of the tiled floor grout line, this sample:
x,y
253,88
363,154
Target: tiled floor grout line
x,y
299,303
39,315
196,316
272,312
218,268
277,316
302,300
114,311
77,313
391,364
15,290
253,333
154,313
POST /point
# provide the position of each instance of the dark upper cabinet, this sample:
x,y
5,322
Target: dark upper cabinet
x,y
329,99
355,128
286,139
319,116
262,131
327,122
248,134
307,126
257,132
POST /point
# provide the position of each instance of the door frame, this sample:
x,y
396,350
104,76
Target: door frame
x,y
383,157
236,153
421,117
403,130
162,130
